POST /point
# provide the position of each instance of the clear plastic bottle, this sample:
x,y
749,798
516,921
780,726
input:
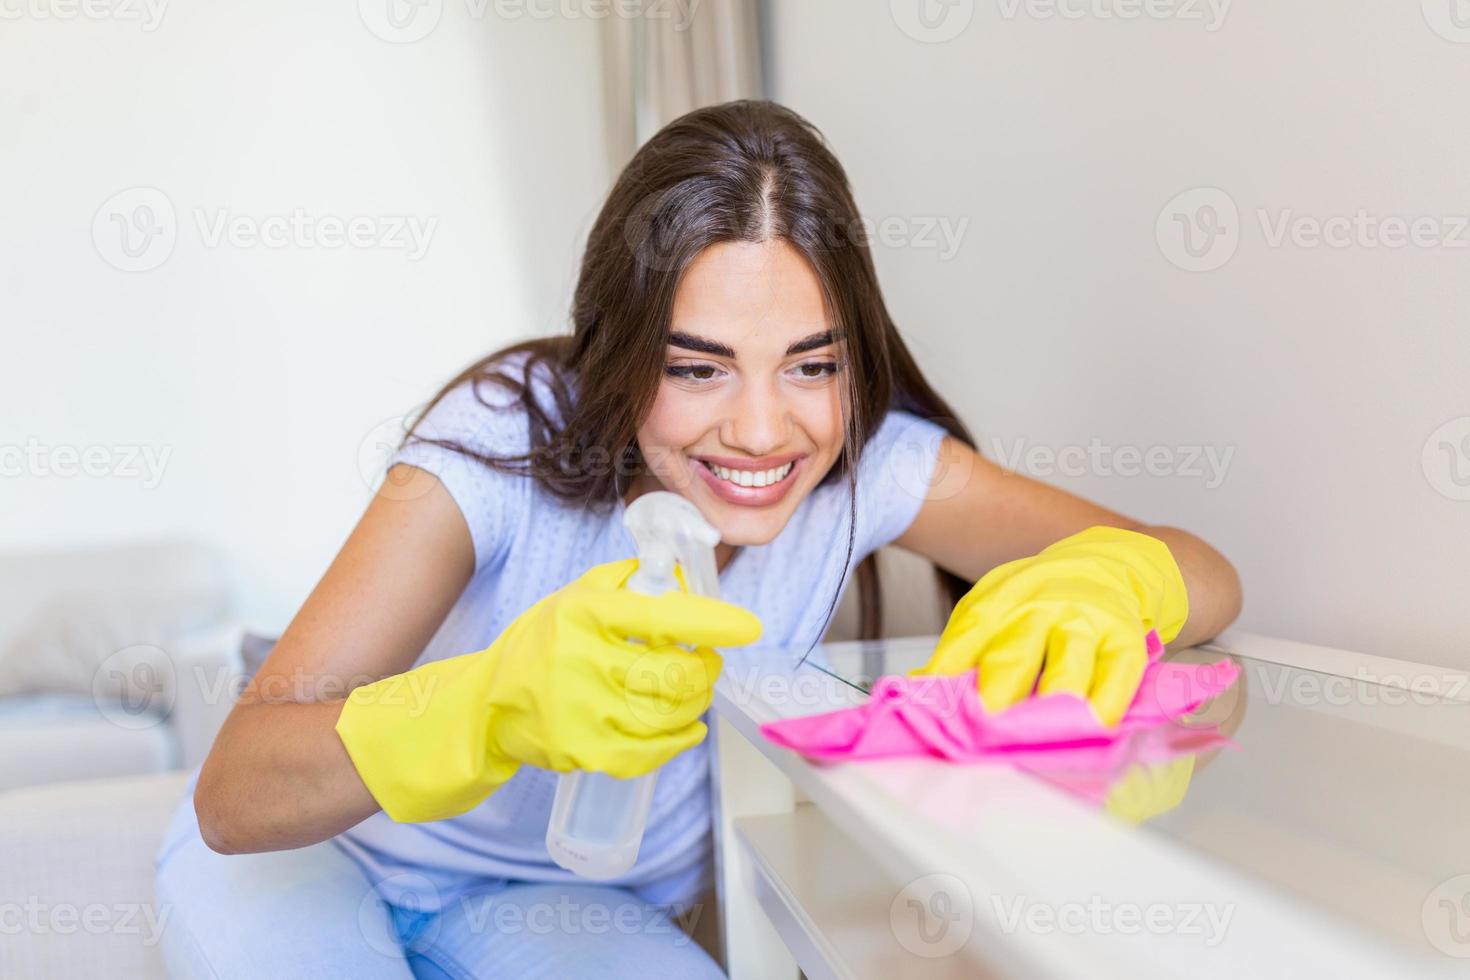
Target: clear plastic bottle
x,y
597,820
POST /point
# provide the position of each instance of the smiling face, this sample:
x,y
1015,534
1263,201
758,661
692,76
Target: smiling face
x,y
749,413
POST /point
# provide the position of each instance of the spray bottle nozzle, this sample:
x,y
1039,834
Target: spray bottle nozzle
x,y
668,528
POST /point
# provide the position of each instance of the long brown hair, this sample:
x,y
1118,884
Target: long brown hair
x,y
747,171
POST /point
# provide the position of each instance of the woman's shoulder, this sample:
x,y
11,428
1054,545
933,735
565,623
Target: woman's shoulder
x,y
894,474
902,439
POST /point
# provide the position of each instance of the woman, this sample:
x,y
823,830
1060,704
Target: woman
x,y
731,345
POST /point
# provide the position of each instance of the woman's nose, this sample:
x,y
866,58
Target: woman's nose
x,y
758,423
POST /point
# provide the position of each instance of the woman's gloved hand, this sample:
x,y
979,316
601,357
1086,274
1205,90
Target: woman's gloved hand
x,y
566,686
1072,617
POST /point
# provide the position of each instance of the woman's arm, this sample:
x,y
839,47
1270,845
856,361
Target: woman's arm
x,y
978,515
278,775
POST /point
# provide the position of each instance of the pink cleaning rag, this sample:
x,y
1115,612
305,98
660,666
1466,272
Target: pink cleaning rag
x,y
942,716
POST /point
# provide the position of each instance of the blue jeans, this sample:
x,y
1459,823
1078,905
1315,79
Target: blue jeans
x,y
311,912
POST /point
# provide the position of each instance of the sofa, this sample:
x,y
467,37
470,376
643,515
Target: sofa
x,y
118,663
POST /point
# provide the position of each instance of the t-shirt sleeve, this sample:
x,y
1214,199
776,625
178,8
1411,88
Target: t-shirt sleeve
x,y
893,477
483,417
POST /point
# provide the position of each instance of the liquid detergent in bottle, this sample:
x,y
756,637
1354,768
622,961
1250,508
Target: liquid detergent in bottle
x,y
597,820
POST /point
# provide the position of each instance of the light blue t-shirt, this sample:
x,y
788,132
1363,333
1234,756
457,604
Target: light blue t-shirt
x,y
527,545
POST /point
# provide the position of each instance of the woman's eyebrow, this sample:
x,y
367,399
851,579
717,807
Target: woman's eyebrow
x,y
704,345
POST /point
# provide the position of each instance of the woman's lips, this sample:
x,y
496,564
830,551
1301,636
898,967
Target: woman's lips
x,y
749,496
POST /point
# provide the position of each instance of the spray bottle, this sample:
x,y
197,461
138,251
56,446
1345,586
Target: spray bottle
x,y
597,820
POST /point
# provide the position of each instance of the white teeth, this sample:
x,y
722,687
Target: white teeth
x,y
750,478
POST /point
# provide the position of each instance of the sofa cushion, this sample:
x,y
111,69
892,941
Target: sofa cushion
x,y
48,738
102,621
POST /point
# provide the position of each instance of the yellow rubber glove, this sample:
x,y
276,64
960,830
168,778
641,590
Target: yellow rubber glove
x,y
564,687
1075,614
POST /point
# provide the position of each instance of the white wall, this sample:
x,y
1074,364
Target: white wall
x,y
258,376
1061,318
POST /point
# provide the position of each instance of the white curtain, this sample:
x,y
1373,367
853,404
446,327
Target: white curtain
x,y
674,56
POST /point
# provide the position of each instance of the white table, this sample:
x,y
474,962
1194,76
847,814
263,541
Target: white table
x,y
1335,841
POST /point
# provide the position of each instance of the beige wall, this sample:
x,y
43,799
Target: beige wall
x,y
1331,383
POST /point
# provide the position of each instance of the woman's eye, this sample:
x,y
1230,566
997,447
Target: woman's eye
x,y
810,371
818,369
691,372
